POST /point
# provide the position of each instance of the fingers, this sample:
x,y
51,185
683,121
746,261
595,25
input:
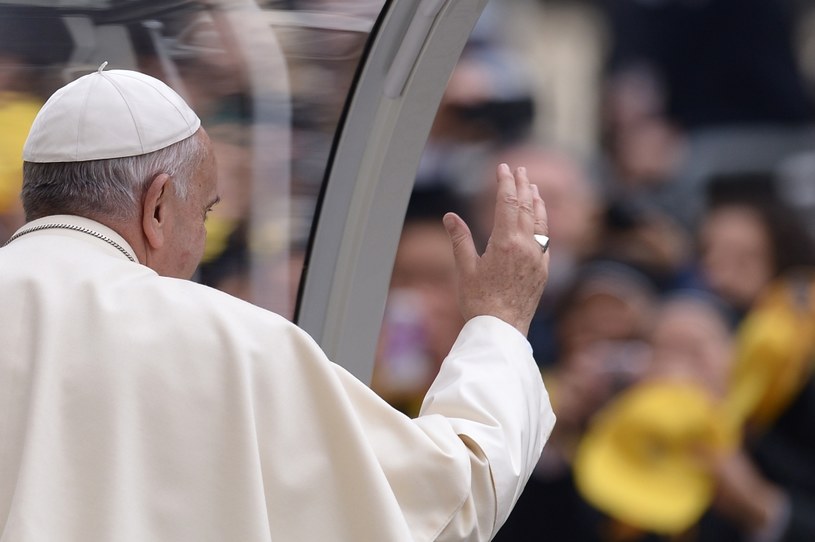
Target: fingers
x,y
515,202
464,250
506,207
541,218
526,213
508,279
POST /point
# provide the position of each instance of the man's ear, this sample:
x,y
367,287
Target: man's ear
x,y
155,210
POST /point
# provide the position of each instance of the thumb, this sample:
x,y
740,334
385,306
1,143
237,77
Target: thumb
x,y
462,240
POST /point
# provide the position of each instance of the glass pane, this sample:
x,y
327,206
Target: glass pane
x,y
269,80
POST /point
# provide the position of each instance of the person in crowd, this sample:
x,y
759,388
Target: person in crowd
x,y
692,339
603,326
654,485
138,405
687,350
422,319
488,102
686,97
747,238
645,237
767,486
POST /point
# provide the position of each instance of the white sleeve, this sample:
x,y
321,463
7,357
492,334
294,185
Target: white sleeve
x,y
490,391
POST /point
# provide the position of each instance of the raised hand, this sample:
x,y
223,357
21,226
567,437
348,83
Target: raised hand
x,y
508,279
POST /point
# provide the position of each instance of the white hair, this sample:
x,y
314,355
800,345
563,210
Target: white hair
x,y
112,188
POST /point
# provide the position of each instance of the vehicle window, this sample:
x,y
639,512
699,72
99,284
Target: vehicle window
x,y
269,80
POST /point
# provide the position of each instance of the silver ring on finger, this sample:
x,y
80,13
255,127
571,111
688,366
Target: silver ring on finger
x,y
543,241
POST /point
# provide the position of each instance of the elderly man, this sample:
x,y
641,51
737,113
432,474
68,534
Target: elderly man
x,y
138,406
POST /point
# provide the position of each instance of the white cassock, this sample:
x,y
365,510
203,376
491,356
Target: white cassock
x,y
135,407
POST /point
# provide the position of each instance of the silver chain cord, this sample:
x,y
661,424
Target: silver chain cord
x,y
72,227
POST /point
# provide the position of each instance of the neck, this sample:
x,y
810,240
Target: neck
x,y
130,230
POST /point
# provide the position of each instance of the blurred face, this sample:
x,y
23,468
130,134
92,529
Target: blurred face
x,y
568,204
737,254
571,207
424,264
606,309
603,317
186,232
691,340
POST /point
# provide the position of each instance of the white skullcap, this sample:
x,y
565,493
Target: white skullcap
x,y
109,114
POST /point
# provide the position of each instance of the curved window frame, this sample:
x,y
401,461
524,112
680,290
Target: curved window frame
x,y
413,50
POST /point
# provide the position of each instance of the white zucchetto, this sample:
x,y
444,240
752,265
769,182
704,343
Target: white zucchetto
x,y
109,114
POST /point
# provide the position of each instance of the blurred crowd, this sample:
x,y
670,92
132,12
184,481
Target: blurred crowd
x,y
673,142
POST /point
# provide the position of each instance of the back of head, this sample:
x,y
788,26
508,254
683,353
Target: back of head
x,y
98,140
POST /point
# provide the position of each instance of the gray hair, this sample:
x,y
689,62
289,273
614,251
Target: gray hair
x,y
112,188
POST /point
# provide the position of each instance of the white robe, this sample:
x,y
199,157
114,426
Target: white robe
x,y
135,407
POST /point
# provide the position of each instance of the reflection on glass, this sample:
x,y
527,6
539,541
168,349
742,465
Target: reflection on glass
x,y
269,80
